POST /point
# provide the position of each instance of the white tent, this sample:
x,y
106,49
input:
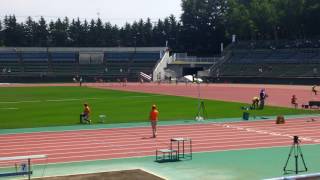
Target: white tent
x,y
190,78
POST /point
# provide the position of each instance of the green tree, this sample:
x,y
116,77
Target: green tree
x,y
203,25
1,34
30,31
239,22
59,32
264,15
84,34
13,32
291,18
159,33
41,33
74,31
311,18
125,35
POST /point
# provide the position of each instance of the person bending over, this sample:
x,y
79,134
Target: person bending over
x,y
255,102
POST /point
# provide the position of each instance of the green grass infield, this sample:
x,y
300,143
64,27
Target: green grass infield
x,y
26,107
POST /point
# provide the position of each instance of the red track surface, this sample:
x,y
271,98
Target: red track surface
x,y
81,145
279,95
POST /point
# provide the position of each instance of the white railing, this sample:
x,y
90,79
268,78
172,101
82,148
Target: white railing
x,y
159,70
184,57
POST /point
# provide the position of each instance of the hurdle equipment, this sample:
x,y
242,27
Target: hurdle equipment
x,y
22,168
280,120
167,155
183,151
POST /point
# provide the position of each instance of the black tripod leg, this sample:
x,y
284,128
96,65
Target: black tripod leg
x,y
301,155
205,112
296,158
290,152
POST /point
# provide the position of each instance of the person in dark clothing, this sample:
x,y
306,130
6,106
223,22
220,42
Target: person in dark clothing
x,y
263,95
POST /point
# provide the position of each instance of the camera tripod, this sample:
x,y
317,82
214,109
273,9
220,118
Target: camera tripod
x,y
201,110
295,148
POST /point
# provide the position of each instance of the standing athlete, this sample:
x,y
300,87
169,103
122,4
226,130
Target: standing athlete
x,y
154,113
314,90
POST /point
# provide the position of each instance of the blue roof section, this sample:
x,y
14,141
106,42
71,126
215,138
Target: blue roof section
x,y
152,56
63,56
34,56
71,56
8,56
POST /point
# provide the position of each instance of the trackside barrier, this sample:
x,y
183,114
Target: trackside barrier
x,y
27,167
145,76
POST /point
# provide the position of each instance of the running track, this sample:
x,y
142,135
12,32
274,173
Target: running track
x,y
279,95
85,145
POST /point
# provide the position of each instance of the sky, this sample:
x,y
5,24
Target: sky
x,y
115,11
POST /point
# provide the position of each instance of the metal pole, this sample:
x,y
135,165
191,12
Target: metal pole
x,y
29,169
296,158
199,99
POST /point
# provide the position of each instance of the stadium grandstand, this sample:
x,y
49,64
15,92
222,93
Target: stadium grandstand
x,y
289,62
62,64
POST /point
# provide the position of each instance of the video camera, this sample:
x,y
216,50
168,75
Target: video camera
x,y
296,139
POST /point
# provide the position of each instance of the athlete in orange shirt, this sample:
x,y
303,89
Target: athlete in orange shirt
x,y
154,113
85,115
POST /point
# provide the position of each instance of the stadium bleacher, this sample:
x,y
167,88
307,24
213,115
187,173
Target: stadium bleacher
x,y
272,63
107,63
34,62
9,63
63,62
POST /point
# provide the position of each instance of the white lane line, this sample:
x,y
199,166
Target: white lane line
x,y
73,99
61,100
16,102
268,132
9,108
110,148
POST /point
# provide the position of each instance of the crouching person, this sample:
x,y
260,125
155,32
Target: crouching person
x,y
85,115
255,103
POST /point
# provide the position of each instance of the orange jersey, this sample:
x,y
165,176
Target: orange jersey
x,y
154,115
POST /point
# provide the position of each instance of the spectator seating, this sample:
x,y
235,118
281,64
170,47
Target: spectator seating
x,y
34,62
63,63
272,63
68,62
9,63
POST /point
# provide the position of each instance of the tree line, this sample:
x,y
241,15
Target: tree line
x,y
203,25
